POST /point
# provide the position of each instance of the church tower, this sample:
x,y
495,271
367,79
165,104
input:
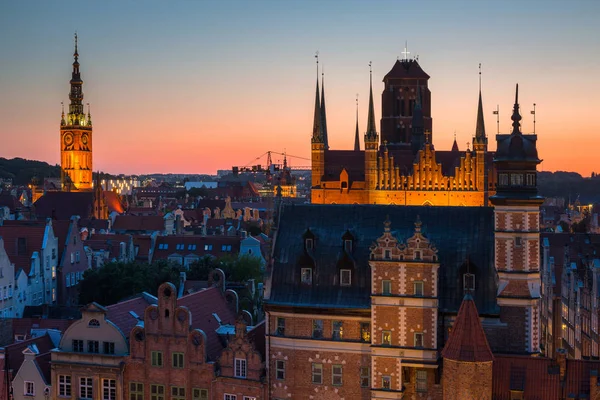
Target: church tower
x,y
318,139
76,137
480,148
517,236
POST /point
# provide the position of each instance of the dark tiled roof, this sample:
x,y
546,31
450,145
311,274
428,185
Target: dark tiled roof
x,y
63,205
537,377
96,224
352,161
457,232
403,69
467,341
23,326
15,350
257,337
120,315
141,223
202,305
34,237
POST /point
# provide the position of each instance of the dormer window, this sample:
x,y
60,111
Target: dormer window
x,y
345,277
469,282
306,276
530,179
503,178
348,245
308,242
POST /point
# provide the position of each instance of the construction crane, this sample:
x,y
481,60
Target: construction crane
x,y
269,168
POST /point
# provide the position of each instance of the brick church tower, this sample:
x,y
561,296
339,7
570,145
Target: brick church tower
x,y
517,236
319,137
76,137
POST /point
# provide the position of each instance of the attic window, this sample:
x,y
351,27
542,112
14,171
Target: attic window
x,y
308,243
306,276
516,179
348,245
469,282
530,179
163,246
180,246
94,323
345,277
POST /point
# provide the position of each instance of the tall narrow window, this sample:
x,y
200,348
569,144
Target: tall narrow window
x,y
109,389
308,243
386,338
419,339
421,381
85,388
468,282
29,388
109,347
345,277
240,367
386,382
388,254
386,287
348,245
365,377
336,375
157,392
177,393
317,373
317,331
418,286
306,276
280,369
136,391
77,346
157,359
365,332
177,360
280,326
64,385
337,330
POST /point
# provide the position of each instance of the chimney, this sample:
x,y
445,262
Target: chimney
x,y
122,251
561,360
204,223
243,234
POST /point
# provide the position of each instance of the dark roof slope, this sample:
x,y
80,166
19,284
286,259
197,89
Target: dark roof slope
x,y
537,377
63,205
457,232
139,223
32,237
467,341
403,69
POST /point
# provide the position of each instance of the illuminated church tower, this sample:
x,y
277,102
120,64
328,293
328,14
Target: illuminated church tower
x,y
76,137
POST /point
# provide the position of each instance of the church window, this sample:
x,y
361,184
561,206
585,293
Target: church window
x,y
317,373
386,287
365,332
345,277
317,331
280,326
308,243
386,382
418,286
419,339
468,282
337,328
306,276
530,179
386,338
348,245
421,381
336,375
503,179
365,377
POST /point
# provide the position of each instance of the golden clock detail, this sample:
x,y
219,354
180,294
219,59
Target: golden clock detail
x,y
68,139
84,139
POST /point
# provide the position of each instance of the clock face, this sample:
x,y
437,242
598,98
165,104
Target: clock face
x,y
68,138
84,139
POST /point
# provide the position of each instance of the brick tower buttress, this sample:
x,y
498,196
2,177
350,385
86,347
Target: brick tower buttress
x,y
371,144
517,236
76,137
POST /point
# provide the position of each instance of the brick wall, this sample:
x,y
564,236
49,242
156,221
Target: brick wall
x,y
466,380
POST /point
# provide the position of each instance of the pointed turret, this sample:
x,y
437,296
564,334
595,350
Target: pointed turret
x,y
454,145
356,134
323,112
76,115
480,140
371,141
318,145
516,116
371,134
317,133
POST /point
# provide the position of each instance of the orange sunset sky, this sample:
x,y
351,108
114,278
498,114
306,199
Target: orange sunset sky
x,y
192,87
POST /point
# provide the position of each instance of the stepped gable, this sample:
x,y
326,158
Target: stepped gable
x,y
467,341
460,233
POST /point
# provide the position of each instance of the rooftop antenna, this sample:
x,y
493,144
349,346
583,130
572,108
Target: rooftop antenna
x,y
533,112
497,114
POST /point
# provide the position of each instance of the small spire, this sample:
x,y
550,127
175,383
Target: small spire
x,y
371,128
76,54
516,117
323,112
387,224
317,134
356,135
455,144
480,127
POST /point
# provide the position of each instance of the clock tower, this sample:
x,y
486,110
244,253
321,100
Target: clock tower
x,y
76,137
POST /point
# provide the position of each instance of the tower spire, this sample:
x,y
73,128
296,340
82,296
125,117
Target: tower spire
x,y
76,115
323,112
371,128
317,134
516,117
480,137
356,135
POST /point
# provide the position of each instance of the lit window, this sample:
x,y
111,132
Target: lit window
x,y
418,289
365,377
516,179
317,329
419,339
240,367
177,360
317,373
86,388
337,330
386,287
306,276
345,277
179,246
421,381
207,247
336,375
365,331
157,392
64,385
157,360
530,179
280,369
29,388
199,394
386,338
280,326
136,391
177,393
386,382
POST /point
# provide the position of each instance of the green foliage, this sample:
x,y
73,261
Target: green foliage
x,y
569,185
236,269
116,281
23,171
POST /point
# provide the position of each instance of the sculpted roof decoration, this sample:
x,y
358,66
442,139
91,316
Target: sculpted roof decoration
x,y
417,247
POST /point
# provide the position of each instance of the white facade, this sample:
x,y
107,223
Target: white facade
x,y
7,284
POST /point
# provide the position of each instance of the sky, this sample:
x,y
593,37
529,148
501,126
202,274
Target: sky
x,y
196,86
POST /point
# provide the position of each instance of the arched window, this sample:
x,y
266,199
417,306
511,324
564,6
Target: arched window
x,y
94,323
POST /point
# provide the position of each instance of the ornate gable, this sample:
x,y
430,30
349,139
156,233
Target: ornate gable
x,y
417,248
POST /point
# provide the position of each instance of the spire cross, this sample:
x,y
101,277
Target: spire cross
x,y
405,53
